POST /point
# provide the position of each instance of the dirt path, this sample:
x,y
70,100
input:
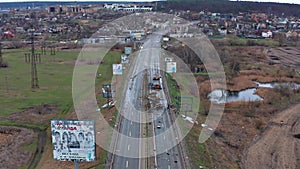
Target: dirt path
x,y
42,138
279,145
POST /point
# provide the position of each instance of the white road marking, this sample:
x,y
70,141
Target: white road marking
x,y
169,167
127,164
131,122
164,137
128,147
130,133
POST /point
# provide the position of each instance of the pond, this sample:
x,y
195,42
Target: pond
x,y
222,96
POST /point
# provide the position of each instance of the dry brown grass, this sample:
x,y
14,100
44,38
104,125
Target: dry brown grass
x,y
242,122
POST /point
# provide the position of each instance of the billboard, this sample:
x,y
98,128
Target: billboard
x,y
168,59
106,91
128,50
73,140
117,69
124,59
171,67
165,39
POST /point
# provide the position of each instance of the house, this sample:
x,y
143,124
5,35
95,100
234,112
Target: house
x,y
8,34
20,30
222,31
267,34
291,34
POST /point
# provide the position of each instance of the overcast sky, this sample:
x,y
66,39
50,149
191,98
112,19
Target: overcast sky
x,y
281,1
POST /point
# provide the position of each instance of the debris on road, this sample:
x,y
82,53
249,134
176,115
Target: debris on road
x,y
187,118
110,104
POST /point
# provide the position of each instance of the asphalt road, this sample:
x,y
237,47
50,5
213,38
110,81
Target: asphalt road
x,y
166,155
130,126
129,150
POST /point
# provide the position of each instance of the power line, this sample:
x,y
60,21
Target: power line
x,y
34,77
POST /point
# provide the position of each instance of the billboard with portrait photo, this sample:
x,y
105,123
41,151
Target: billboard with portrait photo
x,y
73,140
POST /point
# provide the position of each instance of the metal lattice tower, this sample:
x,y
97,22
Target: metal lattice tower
x,y
34,77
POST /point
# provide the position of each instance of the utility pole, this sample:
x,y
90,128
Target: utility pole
x,y
6,83
34,77
43,48
52,50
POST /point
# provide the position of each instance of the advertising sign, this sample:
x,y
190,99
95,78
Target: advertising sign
x,y
165,39
124,59
168,59
73,140
128,50
117,69
106,91
171,67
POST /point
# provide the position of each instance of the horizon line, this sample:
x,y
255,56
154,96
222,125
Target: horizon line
x,y
29,1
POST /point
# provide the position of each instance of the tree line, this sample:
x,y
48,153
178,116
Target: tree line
x,y
234,7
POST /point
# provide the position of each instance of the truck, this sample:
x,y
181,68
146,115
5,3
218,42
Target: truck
x,y
156,77
156,83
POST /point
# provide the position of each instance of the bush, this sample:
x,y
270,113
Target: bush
x,y
284,90
3,64
259,124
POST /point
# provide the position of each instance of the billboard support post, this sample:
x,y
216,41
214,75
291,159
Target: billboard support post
x,y
117,70
116,81
76,164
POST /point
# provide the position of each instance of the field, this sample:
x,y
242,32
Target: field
x,y
243,123
30,111
288,56
278,147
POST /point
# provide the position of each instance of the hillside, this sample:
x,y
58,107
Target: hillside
x,y
225,6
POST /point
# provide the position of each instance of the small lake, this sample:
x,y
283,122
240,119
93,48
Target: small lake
x,y
222,96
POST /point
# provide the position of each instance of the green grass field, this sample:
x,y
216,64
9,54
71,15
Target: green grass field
x,y
55,75
55,80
